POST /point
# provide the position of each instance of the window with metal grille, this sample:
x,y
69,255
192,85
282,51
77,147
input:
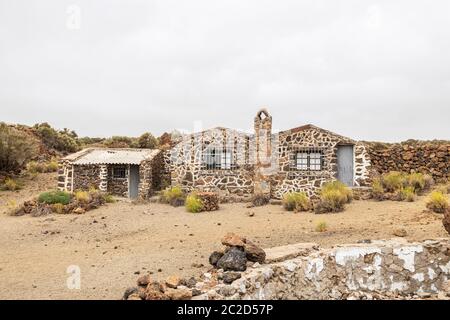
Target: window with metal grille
x,y
309,160
217,158
119,172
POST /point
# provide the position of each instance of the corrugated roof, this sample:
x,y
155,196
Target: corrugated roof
x,y
112,156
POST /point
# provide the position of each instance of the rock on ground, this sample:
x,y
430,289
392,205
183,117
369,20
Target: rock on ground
x,y
233,260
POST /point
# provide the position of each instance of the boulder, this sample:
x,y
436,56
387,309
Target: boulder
x,y
79,210
128,292
233,260
400,232
215,257
154,292
253,252
230,277
233,240
144,280
446,220
179,294
173,282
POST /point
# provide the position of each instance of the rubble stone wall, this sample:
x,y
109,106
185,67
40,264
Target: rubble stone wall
x,y
118,186
187,171
431,157
381,269
86,177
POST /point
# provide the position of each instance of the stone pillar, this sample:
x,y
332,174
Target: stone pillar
x,y
263,150
103,186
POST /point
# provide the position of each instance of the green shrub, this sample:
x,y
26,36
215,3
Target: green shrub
x,y
52,197
193,204
394,181
321,226
16,148
377,189
62,140
147,141
173,196
437,202
296,201
11,185
119,142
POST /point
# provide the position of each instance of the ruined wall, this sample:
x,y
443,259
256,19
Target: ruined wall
x,y
188,172
288,178
431,157
381,269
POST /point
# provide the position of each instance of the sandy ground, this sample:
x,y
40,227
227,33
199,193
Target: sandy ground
x,y
113,243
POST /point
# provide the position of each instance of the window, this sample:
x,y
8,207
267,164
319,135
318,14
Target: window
x,y
217,159
119,172
309,160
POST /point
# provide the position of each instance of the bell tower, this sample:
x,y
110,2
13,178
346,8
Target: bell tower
x,y
263,150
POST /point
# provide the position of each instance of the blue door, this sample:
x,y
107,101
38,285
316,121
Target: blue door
x,y
345,158
134,182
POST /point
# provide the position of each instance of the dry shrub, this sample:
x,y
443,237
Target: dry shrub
x,y
296,201
174,196
393,181
11,185
82,196
377,189
321,226
193,204
333,197
58,208
406,194
437,202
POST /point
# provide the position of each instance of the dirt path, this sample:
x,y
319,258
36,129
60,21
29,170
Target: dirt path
x,y
113,243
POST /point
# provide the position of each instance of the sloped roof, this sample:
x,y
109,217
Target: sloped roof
x,y
311,126
112,156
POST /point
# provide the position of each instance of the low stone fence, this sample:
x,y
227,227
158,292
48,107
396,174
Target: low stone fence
x,y
431,157
374,270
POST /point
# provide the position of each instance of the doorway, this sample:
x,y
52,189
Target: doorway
x,y
133,188
345,159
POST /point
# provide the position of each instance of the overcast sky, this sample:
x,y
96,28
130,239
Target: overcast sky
x,y
369,70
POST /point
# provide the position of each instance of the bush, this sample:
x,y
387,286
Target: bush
x,y
338,186
147,141
52,197
173,196
11,185
58,208
82,196
437,202
377,189
419,182
193,204
108,198
119,142
394,181
321,226
406,194
36,167
16,148
296,201
52,166
63,140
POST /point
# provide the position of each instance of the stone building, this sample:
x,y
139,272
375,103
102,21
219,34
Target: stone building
x,y
241,164
130,173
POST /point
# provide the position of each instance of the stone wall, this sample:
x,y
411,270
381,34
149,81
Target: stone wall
x,y
381,270
431,157
86,177
118,186
187,171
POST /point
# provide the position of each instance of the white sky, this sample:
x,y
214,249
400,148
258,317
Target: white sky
x,y
372,70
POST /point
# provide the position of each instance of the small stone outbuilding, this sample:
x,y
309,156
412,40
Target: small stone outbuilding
x,y
131,173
